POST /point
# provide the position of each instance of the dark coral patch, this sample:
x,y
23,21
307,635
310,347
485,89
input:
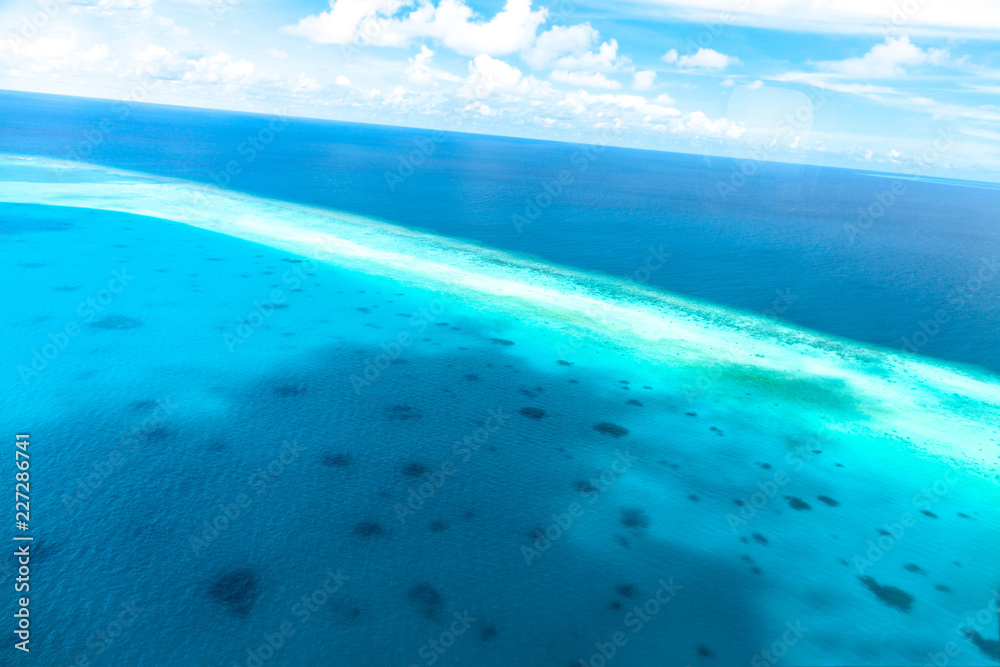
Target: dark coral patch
x,y
403,412
635,518
427,600
613,430
989,647
487,632
338,460
797,503
584,487
502,341
704,651
914,568
236,590
563,362
368,529
532,413
116,322
437,526
828,500
287,390
890,595
759,538
942,588
627,591
414,469
929,513
633,401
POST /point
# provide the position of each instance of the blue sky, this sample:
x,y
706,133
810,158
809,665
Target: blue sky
x,y
908,86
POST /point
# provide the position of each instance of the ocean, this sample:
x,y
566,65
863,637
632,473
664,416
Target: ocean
x,y
308,393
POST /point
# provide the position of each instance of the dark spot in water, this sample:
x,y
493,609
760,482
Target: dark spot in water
x,y
843,562
693,497
797,503
914,568
32,265
942,588
691,414
65,288
533,413
338,460
287,390
929,513
755,570
237,591
584,487
759,538
471,377
403,412
487,632
718,431
437,526
428,600
502,341
613,430
740,502
627,591
563,362
615,605
633,401
116,322
890,595
964,515
291,261
828,500
704,651
363,309
635,518
368,529
414,469
884,532
620,539
989,647
279,306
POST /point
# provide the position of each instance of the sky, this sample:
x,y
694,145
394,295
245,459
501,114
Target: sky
x,y
903,86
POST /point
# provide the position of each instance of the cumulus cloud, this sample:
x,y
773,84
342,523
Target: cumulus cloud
x,y
559,41
701,59
451,22
421,73
488,75
586,79
644,80
886,60
276,53
219,68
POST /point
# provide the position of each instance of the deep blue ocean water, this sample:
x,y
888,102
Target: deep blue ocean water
x,y
219,451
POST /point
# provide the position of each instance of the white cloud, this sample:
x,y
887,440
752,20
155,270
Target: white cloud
x,y
277,53
219,68
97,53
488,75
755,85
343,81
589,80
886,60
644,80
670,57
704,59
605,59
305,84
558,41
451,22
420,72
728,83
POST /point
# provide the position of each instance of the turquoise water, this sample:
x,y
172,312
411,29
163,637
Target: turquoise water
x,y
452,430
